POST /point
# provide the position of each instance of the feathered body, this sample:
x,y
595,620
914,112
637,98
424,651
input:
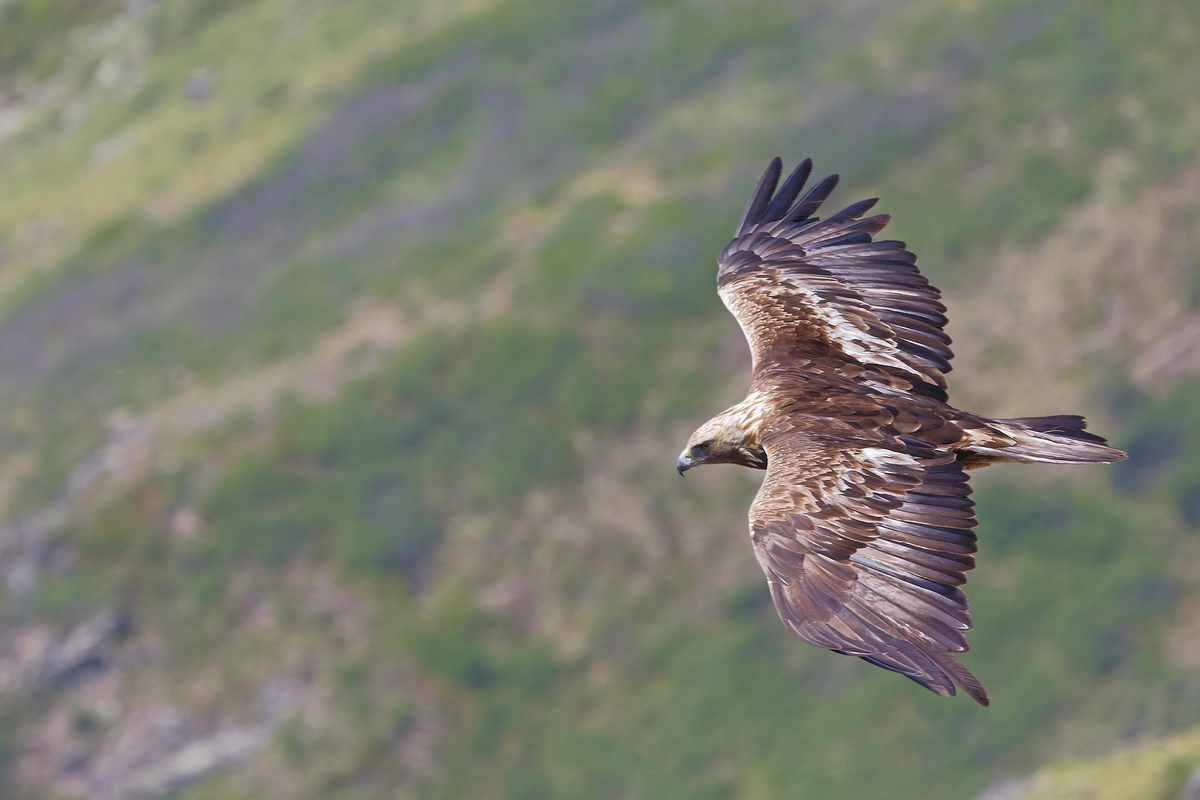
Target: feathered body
x,y
863,524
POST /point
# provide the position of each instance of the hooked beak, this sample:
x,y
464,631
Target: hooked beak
x,y
684,463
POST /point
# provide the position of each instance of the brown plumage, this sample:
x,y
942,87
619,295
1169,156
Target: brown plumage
x,y
863,524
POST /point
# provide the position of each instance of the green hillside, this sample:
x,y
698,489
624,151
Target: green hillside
x,y
346,349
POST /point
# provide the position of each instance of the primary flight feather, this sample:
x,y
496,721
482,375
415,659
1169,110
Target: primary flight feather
x,y
863,525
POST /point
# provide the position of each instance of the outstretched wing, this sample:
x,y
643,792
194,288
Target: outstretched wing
x,y
865,550
804,288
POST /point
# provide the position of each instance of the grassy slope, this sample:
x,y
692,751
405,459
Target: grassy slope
x,y
1161,769
560,178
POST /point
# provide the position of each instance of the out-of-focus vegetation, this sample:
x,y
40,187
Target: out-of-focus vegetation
x,y
346,348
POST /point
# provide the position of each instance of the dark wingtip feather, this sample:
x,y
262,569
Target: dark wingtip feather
x,y
962,676
762,194
790,190
856,210
812,201
946,690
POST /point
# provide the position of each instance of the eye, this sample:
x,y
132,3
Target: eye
x,y
703,446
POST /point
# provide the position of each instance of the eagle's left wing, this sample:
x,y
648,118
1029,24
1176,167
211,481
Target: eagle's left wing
x,y
865,547
804,288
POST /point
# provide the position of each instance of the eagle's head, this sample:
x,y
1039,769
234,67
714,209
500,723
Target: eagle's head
x,y
731,437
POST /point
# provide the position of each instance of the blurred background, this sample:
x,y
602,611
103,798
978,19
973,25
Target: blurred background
x,y
346,348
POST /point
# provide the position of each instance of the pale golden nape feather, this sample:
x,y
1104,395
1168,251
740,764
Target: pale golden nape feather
x,y
731,437
864,524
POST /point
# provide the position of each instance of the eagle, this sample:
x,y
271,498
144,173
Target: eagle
x,y
864,523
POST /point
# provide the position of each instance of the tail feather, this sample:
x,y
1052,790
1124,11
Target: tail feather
x,y
1059,439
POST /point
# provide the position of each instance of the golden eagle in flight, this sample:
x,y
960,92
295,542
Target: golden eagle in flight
x,y
863,524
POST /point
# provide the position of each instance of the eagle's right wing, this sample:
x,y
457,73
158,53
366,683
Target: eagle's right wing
x,y
804,288
865,548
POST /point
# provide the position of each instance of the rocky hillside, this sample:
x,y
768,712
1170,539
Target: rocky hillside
x,y
346,349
